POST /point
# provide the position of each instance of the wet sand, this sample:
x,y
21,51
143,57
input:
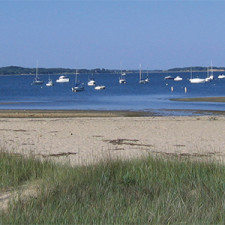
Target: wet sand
x,y
69,113
202,99
83,137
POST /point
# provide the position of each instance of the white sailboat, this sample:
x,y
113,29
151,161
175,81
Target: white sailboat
x,y
147,79
78,86
211,76
122,79
207,79
196,80
50,82
37,80
141,81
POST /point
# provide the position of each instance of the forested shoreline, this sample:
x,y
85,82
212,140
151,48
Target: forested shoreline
x,y
17,70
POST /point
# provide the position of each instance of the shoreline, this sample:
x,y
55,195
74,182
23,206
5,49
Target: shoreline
x,y
42,113
20,113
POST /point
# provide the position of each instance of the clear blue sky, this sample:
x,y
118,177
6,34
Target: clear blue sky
x,y
110,33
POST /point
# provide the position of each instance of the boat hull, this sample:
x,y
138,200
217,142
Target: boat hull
x,y
99,87
197,80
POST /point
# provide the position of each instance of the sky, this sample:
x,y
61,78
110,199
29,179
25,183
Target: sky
x,y
112,34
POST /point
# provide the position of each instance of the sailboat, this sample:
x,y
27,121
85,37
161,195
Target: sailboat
x,y
50,82
196,80
37,80
147,79
78,86
211,76
207,79
122,79
141,81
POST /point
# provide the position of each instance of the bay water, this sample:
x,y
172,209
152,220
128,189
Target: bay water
x,y
18,92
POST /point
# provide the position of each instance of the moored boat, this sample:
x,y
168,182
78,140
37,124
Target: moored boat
x,y
197,80
178,78
50,83
221,76
122,79
62,79
101,87
78,86
169,78
91,82
37,80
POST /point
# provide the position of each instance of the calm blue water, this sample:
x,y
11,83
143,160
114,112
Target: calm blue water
x,y
18,93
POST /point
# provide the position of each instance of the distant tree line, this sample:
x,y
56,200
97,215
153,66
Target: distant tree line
x,y
16,70
195,68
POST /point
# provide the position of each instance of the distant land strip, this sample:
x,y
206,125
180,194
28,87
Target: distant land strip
x,y
202,99
17,70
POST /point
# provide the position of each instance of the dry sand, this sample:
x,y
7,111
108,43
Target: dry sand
x,y
82,140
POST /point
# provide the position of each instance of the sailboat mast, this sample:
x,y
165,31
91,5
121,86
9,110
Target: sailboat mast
x,y
76,77
37,69
140,72
211,69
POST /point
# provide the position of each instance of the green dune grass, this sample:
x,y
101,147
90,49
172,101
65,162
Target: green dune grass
x,y
142,191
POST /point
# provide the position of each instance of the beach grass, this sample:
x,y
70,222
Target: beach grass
x,y
16,170
142,191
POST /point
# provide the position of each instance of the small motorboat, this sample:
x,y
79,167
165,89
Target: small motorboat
x,y
91,82
178,78
221,76
122,80
63,79
169,78
100,87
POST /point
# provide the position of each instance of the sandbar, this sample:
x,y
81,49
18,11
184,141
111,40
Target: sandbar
x,y
201,99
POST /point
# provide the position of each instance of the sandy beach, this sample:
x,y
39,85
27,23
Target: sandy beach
x,y
88,139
